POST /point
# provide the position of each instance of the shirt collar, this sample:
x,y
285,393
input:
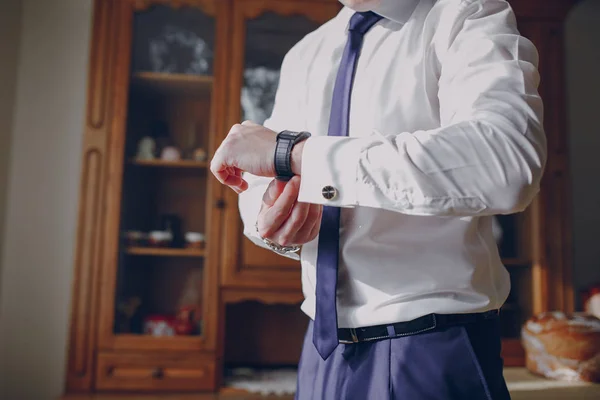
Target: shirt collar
x,y
398,11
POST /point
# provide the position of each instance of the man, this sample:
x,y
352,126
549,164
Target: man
x,y
425,122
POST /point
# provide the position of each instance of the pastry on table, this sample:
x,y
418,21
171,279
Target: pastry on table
x,y
563,347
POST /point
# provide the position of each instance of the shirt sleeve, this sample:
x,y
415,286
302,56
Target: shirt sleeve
x,y
285,115
486,158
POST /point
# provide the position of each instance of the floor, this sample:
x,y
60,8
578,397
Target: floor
x,y
523,386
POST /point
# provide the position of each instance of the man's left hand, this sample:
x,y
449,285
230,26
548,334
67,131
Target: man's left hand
x,y
248,147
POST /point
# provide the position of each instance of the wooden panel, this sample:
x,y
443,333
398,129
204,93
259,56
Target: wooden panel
x,y
171,164
164,252
551,270
261,335
542,9
169,84
88,254
548,38
290,297
127,342
150,372
513,353
245,265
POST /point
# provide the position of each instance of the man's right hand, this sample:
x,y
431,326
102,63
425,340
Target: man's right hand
x,y
285,221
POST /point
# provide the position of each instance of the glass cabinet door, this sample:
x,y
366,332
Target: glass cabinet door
x,y
263,33
162,278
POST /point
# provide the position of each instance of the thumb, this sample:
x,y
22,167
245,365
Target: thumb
x,y
273,192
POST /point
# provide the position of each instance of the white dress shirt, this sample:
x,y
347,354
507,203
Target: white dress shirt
x,y
445,132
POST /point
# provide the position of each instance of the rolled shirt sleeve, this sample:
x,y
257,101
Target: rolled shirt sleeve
x,y
486,158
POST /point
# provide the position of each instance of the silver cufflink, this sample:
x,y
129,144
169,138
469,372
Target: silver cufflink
x,y
329,192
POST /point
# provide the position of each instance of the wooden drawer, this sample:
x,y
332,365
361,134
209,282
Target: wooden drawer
x,y
155,372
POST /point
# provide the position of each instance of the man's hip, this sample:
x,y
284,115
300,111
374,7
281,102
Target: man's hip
x,y
455,361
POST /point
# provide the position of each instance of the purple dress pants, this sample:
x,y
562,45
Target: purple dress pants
x,y
457,363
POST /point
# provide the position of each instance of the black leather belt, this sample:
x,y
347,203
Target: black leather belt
x,y
422,324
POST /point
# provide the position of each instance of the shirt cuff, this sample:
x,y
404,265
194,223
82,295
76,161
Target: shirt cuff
x,y
329,164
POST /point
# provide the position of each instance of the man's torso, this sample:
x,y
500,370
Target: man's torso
x,y
396,267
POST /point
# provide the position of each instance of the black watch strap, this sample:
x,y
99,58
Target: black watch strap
x,y
286,141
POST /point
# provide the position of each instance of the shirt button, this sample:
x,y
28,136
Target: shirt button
x,y
329,192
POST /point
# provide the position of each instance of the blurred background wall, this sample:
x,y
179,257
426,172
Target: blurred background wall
x,y
42,189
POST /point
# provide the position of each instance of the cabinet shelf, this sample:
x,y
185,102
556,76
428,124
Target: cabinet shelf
x,y
128,341
164,252
170,164
173,84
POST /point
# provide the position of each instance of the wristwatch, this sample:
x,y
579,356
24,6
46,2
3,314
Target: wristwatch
x,y
286,141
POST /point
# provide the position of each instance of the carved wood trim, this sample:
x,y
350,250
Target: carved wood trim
x,y
88,258
252,9
209,7
114,167
214,188
542,9
98,69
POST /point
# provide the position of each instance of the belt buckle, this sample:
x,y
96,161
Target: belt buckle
x,y
353,335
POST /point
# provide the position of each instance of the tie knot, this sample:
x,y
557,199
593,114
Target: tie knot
x,y
361,22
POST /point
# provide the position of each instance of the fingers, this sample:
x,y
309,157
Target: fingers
x,y
221,164
287,234
271,218
273,192
296,233
228,175
249,123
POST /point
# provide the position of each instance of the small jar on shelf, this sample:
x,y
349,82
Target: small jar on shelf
x,y
194,240
160,238
135,238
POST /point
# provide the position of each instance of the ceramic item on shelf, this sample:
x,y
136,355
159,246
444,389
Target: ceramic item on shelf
x,y
159,325
170,153
160,238
146,149
134,238
194,240
190,147
200,155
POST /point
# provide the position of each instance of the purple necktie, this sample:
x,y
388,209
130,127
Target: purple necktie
x,y
325,335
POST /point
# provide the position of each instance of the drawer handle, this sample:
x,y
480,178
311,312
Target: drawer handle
x,y
158,373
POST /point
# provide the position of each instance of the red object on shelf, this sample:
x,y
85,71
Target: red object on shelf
x,y
184,322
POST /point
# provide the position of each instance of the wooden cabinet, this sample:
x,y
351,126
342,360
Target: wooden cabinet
x,y
178,74
146,281
164,75
263,32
